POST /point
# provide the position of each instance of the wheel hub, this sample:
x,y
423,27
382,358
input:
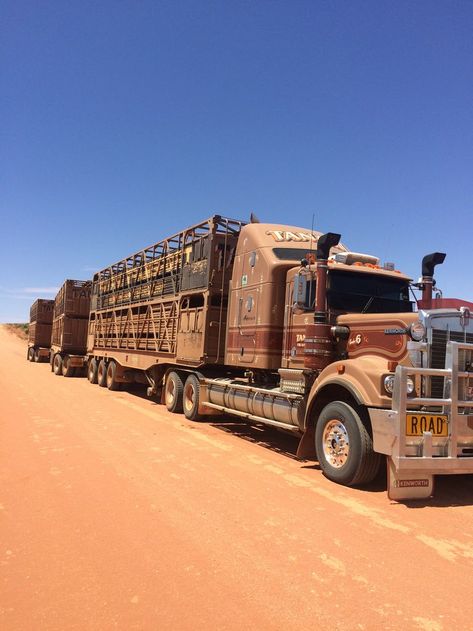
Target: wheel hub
x,y
336,444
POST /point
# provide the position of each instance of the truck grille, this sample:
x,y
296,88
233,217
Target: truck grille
x,y
440,338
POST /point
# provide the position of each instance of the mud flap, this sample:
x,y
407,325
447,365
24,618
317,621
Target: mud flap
x,y
306,448
408,486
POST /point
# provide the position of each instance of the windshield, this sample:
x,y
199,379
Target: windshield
x,y
367,293
293,254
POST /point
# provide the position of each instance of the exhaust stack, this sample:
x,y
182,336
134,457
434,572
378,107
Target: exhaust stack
x,y
318,345
429,263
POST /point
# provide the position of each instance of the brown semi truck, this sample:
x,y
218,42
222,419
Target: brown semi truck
x,y
285,326
69,328
39,330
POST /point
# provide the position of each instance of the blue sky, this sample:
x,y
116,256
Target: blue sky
x,y
123,122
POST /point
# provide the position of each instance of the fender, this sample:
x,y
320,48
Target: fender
x,y
361,377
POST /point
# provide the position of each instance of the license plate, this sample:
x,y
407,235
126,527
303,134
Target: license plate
x,y
417,424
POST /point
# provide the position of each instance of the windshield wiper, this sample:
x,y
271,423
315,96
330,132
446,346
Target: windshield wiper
x,y
367,305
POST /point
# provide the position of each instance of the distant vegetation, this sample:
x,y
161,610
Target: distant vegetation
x,y
20,329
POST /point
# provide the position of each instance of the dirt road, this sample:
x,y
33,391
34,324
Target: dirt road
x,y
116,514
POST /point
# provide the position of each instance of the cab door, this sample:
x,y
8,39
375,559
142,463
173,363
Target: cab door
x,y
248,310
294,327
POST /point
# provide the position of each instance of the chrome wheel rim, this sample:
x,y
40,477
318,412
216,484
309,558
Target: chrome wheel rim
x,y
336,443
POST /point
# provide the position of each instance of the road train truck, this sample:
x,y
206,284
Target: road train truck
x,y
39,330
285,326
69,329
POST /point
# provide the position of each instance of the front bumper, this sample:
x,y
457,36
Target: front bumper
x,y
423,454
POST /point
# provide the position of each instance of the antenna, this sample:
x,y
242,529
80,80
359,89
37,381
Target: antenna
x,y
311,233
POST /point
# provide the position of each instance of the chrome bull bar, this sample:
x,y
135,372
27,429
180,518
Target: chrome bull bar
x,y
412,461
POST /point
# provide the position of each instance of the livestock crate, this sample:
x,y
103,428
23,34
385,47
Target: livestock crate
x,y
69,335
39,334
41,311
73,299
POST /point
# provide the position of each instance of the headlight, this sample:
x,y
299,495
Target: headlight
x,y
389,384
417,331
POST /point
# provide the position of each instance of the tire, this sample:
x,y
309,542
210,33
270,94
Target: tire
x,y
112,383
173,391
344,447
102,374
67,369
57,364
51,360
92,367
36,356
191,399
30,354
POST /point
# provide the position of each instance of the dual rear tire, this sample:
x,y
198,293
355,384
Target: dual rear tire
x,y
67,369
103,373
183,396
33,355
92,367
110,376
191,399
56,365
173,391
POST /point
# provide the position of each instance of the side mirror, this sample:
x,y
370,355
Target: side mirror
x,y
299,294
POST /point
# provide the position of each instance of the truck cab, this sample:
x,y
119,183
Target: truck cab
x,y
258,306
336,349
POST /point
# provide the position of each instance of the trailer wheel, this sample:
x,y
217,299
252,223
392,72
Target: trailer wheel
x,y
57,364
92,370
343,445
51,360
30,354
67,369
173,391
36,357
191,399
102,374
112,383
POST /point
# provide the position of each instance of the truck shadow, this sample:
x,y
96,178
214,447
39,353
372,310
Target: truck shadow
x,y
266,437
449,491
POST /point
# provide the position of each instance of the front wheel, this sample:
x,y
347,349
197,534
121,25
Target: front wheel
x,y
191,399
343,445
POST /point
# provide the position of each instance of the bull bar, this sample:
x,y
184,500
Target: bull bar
x,y
427,454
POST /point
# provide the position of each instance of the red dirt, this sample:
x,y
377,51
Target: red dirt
x,y
116,514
